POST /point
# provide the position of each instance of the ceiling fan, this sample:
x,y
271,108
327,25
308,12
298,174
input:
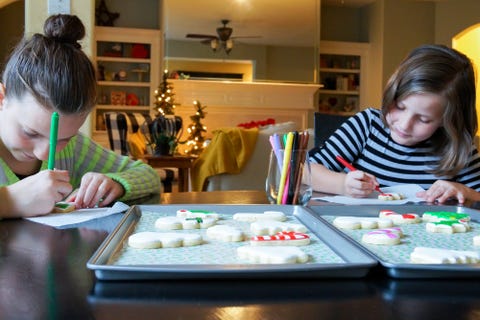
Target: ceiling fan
x,y
222,40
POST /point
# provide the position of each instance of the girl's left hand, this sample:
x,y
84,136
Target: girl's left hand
x,y
96,189
442,191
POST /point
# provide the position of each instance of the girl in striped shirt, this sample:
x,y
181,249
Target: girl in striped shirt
x,y
424,134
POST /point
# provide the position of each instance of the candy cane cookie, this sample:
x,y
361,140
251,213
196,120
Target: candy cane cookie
x,y
281,239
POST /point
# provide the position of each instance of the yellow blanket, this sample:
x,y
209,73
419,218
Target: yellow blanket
x,y
228,152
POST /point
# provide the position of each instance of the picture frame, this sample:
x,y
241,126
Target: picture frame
x,y
351,104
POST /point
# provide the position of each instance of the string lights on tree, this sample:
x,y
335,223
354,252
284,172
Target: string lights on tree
x,y
164,97
196,141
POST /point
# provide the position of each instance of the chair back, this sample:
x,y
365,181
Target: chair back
x,y
325,125
120,124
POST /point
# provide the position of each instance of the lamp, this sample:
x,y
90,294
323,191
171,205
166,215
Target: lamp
x,y
227,45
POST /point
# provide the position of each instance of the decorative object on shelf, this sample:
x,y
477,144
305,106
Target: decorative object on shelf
x,y
140,51
164,97
116,50
103,17
132,99
196,141
118,98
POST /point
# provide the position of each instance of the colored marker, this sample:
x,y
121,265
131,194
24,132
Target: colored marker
x,y
53,141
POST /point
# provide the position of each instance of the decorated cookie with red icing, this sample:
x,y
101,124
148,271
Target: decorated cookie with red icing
x,y
284,238
400,218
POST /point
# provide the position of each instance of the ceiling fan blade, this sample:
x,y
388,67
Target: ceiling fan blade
x,y
200,36
244,37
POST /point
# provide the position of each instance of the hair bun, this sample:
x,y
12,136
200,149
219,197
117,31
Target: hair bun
x,y
64,28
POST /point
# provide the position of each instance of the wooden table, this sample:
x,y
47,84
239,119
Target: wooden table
x,y
43,275
182,163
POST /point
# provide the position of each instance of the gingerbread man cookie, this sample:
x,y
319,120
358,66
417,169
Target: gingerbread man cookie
x,y
154,240
273,255
177,223
349,222
441,256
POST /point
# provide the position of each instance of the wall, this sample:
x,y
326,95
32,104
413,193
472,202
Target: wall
x,y
12,18
451,17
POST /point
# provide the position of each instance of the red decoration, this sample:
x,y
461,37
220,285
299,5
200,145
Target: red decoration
x,y
140,51
256,124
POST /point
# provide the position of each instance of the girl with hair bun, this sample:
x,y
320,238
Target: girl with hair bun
x,y
50,73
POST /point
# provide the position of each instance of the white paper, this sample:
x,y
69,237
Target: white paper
x,y
62,219
408,190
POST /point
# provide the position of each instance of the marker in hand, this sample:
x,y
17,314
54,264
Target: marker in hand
x,y
352,168
53,141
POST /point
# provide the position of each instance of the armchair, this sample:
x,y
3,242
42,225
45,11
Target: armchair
x,y
122,124
254,172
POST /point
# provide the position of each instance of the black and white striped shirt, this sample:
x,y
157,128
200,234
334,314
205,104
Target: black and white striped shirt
x,y
364,141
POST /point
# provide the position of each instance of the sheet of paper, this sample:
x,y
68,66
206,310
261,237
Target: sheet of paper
x,y
82,215
408,190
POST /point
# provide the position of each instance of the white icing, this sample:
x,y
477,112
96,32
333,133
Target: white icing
x,y
252,217
443,256
153,240
184,213
178,223
225,233
361,222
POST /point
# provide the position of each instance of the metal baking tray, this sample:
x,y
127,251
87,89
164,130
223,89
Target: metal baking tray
x,y
395,259
331,255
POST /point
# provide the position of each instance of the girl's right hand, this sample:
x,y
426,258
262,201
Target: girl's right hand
x,y
359,184
38,193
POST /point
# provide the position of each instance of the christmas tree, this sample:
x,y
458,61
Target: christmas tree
x,y
196,140
164,97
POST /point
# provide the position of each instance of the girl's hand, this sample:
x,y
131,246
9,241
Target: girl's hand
x,y
96,189
37,194
359,184
443,190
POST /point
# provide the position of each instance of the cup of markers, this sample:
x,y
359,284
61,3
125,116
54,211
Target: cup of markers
x,y
289,177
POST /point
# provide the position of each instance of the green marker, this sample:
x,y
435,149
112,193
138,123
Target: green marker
x,y
53,141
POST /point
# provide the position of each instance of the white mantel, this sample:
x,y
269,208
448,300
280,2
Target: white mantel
x,y
230,103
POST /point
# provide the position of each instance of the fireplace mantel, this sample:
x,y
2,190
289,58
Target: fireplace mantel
x,y
230,103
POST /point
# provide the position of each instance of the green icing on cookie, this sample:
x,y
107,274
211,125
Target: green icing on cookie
x,y
447,216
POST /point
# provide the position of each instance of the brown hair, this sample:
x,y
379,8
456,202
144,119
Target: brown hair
x,y
53,68
444,71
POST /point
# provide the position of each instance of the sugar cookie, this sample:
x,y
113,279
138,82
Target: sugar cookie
x,y
63,207
391,196
436,255
349,222
388,237
252,217
449,227
271,227
184,213
274,255
400,218
177,223
153,240
225,233
283,238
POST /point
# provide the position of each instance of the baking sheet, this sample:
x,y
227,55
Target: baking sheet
x,y
331,255
396,259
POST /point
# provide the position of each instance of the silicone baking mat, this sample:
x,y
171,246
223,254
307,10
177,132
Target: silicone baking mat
x,y
396,258
330,254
